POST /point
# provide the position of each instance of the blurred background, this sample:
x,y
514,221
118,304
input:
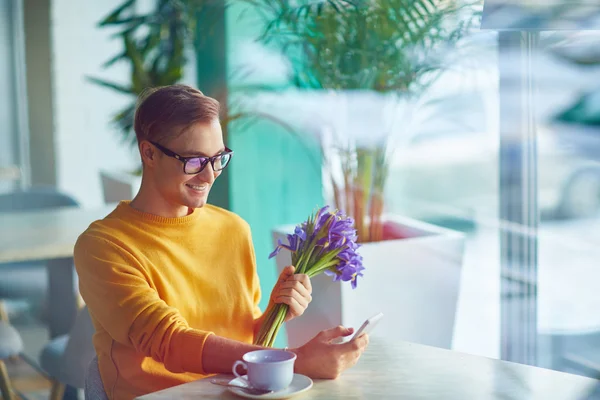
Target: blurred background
x,y
463,136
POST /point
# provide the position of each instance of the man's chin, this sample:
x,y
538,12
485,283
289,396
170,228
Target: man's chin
x,y
197,202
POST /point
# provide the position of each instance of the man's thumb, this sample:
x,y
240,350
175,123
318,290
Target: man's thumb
x,y
287,271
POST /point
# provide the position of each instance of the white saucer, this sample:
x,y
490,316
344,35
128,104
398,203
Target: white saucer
x,y
300,384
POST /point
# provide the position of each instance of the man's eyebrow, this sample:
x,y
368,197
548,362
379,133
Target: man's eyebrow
x,y
201,154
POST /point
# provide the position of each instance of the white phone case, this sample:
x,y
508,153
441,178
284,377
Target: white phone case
x,y
366,327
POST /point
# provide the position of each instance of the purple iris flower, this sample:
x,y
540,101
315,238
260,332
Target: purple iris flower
x,y
300,233
326,242
277,249
336,276
354,281
351,272
346,254
294,242
330,232
321,218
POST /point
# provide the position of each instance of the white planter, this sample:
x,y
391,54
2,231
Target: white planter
x,y
119,185
414,281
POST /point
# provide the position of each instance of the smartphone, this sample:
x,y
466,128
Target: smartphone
x,y
368,325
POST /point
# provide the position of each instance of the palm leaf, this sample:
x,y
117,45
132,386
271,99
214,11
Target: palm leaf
x,y
116,14
111,85
132,21
139,76
118,57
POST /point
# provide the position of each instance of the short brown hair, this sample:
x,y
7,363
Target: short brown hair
x,y
167,111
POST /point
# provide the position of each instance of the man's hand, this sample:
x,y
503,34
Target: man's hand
x,y
320,358
294,290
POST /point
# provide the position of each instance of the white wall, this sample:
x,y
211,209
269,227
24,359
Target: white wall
x,y
85,141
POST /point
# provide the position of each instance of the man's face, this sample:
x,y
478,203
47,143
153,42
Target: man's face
x,y
177,188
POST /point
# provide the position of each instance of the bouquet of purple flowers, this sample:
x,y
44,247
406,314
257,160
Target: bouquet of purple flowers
x,y
326,242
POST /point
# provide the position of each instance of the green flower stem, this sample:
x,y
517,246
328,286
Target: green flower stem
x,y
271,321
324,262
322,268
264,328
303,261
282,312
264,337
271,325
273,328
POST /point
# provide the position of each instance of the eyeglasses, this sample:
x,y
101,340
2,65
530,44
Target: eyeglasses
x,y
195,165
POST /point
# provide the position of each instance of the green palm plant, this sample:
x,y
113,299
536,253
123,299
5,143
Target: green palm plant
x,y
383,45
386,46
154,46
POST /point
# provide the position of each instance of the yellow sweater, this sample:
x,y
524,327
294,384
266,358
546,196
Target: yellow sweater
x,y
157,287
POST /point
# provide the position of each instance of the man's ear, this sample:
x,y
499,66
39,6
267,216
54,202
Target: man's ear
x,y
148,153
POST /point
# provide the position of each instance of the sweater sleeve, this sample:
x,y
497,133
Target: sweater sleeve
x,y
119,295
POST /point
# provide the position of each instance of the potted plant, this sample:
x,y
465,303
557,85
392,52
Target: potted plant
x,y
381,54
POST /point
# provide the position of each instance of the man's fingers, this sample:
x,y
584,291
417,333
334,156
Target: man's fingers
x,y
286,273
336,332
303,299
297,305
303,279
291,286
357,345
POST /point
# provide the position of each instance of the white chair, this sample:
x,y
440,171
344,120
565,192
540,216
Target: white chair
x,y
66,358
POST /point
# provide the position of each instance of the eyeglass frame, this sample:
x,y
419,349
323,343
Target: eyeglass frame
x,y
184,160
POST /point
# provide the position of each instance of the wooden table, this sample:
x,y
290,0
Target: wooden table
x,y
49,235
404,370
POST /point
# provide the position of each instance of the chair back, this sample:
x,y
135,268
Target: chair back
x,y
79,351
94,389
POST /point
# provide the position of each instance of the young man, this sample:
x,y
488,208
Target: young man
x,y
170,281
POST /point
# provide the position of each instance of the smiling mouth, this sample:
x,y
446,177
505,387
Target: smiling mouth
x,y
197,188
